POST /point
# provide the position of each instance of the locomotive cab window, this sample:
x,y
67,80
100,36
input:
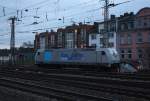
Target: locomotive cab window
x,y
103,53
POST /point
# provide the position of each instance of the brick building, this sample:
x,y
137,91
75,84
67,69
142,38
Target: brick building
x,y
74,36
46,40
134,36
61,38
71,39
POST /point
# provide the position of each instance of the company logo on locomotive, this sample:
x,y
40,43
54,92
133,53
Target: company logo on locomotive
x,y
72,56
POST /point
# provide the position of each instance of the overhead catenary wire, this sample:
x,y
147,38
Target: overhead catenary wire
x,y
50,12
72,14
37,4
75,14
22,9
96,9
40,22
26,8
43,29
79,13
28,31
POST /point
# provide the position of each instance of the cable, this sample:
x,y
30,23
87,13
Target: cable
x,y
88,11
22,8
47,12
74,6
36,4
51,27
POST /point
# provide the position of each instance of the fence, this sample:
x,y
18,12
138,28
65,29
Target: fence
x,y
20,59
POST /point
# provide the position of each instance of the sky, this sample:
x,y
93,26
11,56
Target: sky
x,y
47,13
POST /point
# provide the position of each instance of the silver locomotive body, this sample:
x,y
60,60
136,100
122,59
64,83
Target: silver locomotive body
x,y
101,56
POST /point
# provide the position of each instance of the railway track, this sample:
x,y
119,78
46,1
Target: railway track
x,y
99,85
53,91
133,76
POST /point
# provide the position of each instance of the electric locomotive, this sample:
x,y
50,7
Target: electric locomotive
x,y
99,57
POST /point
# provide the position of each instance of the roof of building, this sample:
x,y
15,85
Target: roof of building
x,y
143,12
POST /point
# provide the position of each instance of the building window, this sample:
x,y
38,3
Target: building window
x,y
52,40
129,53
112,27
129,39
122,56
145,24
139,23
70,40
122,39
93,36
130,25
101,42
122,26
111,44
111,35
82,34
60,39
139,38
139,53
42,42
129,56
122,53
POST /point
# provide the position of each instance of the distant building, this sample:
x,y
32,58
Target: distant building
x,y
96,36
74,36
46,40
71,33
36,42
134,36
61,38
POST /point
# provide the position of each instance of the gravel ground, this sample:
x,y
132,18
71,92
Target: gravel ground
x,y
13,95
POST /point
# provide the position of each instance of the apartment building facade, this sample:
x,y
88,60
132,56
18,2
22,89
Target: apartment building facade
x,y
134,33
96,38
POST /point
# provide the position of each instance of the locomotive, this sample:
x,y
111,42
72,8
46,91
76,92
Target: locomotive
x,y
99,57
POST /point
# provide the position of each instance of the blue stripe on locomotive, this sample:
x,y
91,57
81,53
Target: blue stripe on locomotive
x,y
47,56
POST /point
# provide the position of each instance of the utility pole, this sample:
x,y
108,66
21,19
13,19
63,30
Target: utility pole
x,y
12,40
106,18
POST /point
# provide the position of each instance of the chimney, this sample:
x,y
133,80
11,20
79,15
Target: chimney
x,y
126,14
52,30
131,13
47,31
80,24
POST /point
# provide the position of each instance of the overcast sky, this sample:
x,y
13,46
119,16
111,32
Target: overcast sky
x,y
49,11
